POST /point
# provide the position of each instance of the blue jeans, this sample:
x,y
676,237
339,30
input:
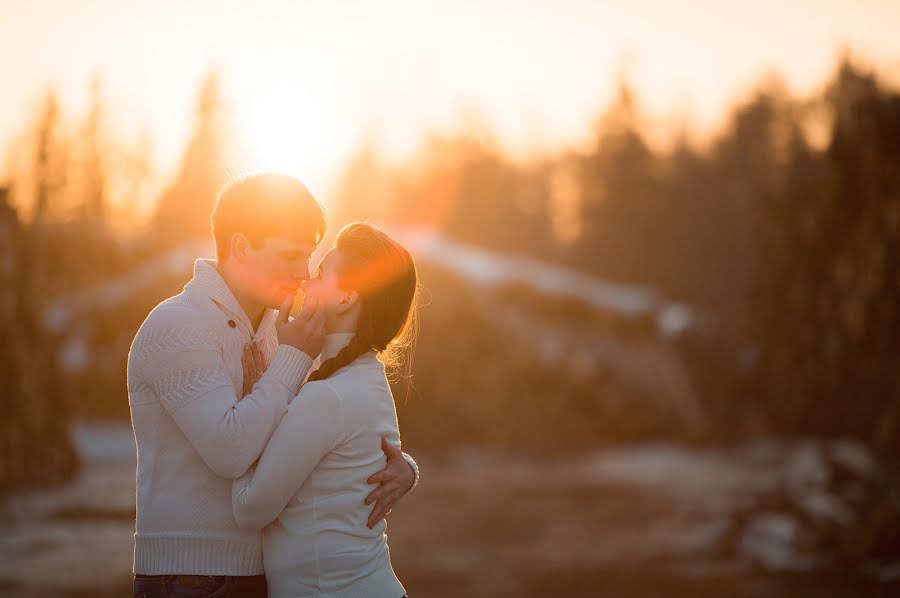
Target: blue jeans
x,y
199,586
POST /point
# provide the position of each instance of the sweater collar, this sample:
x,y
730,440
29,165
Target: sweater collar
x,y
334,343
210,283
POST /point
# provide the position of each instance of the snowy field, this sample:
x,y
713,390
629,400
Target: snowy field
x,y
644,521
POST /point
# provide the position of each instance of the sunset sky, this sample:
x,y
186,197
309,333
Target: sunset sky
x,y
307,81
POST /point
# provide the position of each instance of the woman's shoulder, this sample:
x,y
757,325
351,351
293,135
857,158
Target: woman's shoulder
x,y
316,399
319,390
356,383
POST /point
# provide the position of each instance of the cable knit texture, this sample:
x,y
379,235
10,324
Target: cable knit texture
x,y
308,488
193,435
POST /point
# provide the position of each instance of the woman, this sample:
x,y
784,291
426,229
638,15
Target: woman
x,y
309,486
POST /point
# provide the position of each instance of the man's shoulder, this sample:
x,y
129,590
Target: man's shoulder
x,y
179,309
182,316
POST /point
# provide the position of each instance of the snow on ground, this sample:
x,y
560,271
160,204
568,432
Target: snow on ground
x,y
78,535
506,524
491,268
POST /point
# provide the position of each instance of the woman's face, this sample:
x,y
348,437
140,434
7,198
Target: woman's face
x,y
325,285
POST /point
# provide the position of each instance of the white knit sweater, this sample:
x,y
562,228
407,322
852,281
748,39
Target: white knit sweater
x,y
309,485
192,434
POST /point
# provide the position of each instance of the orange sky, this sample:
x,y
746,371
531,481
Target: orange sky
x,y
307,81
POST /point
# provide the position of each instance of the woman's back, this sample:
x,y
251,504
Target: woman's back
x,y
316,541
309,486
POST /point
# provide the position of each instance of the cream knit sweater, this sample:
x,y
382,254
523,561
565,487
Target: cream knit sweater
x,y
193,435
309,485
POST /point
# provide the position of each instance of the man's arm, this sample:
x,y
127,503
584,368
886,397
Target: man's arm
x,y
184,366
399,476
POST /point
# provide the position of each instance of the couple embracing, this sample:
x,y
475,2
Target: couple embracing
x,y
258,473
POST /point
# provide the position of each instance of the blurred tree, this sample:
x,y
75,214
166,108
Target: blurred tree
x,y
48,178
49,168
84,244
364,189
93,166
34,436
184,207
563,188
494,204
620,195
753,160
828,283
460,185
133,178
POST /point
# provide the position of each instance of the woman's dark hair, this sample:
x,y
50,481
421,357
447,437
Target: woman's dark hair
x,y
383,273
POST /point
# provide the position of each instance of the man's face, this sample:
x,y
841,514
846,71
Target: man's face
x,y
276,269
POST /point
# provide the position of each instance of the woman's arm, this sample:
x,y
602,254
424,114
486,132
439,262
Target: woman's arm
x,y
310,429
178,356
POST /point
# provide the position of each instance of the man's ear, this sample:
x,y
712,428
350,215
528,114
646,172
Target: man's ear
x,y
347,302
240,244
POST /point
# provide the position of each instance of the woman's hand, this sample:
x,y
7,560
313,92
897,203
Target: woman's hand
x,y
254,366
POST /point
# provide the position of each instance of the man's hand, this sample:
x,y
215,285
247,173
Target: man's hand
x,y
305,332
393,481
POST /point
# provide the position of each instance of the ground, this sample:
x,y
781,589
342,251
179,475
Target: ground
x,y
644,521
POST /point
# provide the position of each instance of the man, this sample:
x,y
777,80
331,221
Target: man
x,y
194,430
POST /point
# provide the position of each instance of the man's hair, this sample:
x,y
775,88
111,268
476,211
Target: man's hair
x,y
263,205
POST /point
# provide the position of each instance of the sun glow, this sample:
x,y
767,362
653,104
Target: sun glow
x,y
289,127
308,83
